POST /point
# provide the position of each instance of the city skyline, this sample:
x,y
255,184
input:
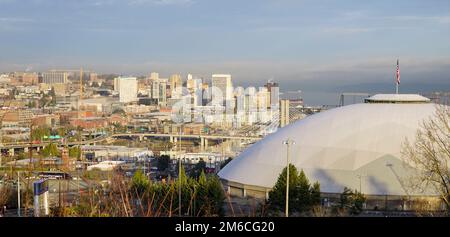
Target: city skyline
x,y
315,46
197,108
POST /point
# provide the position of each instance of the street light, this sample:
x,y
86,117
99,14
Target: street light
x,y
210,165
288,144
360,176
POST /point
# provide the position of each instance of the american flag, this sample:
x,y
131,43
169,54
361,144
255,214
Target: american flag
x,y
398,73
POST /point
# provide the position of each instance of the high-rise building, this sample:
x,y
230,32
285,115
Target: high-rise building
x,y
274,91
176,86
263,98
284,113
54,77
127,89
154,76
159,88
195,88
251,105
116,84
223,83
162,98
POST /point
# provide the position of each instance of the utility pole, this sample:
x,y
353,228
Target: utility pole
x,y
179,176
360,176
81,85
288,143
18,193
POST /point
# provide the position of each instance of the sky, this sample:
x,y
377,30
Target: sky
x,y
326,46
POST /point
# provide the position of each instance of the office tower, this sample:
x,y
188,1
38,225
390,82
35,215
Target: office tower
x,y
155,88
198,94
194,86
154,76
162,99
176,86
205,89
191,83
274,91
263,103
54,77
239,94
224,85
263,98
284,113
251,105
116,84
127,89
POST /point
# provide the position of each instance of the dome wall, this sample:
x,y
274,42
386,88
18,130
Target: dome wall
x,y
338,147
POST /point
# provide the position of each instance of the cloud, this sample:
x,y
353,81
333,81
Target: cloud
x,y
13,23
15,19
100,3
346,30
160,2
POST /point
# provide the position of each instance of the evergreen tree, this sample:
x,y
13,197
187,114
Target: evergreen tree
x,y
302,196
163,162
352,201
315,194
51,150
198,169
277,196
216,196
302,193
139,183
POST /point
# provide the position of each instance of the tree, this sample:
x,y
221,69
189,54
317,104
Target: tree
x,y
302,196
50,150
216,196
38,133
199,168
302,193
352,201
139,183
315,194
429,154
75,152
226,162
118,111
163,162
277,196
31,104
52,93
5,194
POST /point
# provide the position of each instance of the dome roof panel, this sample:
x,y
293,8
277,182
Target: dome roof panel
x,y
345,138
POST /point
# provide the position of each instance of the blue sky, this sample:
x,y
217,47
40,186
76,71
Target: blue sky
x,y
306,43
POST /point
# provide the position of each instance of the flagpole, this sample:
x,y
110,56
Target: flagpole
x,y
397,77
396,88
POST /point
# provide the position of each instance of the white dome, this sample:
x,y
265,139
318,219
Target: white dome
x,y
338,147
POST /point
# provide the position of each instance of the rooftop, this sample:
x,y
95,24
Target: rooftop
x,y
397,98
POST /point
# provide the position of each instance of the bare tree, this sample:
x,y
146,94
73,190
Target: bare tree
x,y
5,194
430,154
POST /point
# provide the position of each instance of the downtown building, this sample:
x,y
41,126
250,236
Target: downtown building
x,y
55,77
128,88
